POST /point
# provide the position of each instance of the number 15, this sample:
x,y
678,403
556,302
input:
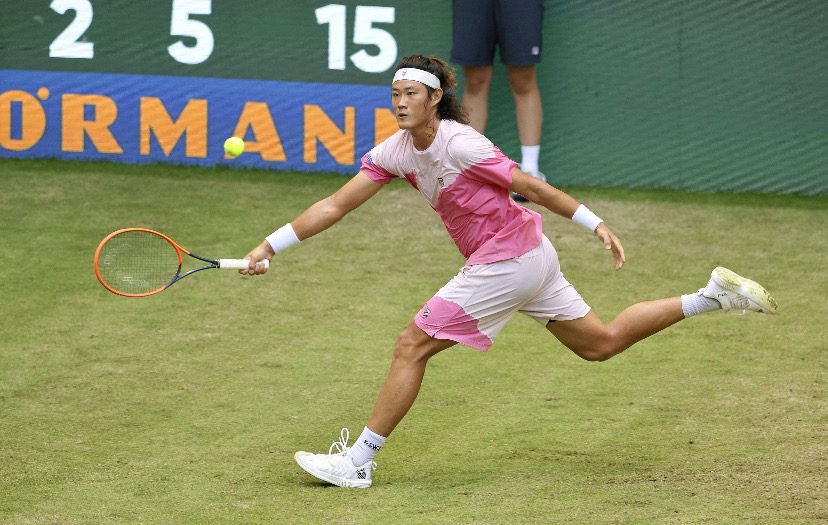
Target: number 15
x,y
364,33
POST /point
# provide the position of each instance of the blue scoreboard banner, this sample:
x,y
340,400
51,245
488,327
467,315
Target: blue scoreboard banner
x,y
142,118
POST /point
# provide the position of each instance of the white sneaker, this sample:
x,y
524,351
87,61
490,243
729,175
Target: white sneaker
x,y
538,175
735,292
337,467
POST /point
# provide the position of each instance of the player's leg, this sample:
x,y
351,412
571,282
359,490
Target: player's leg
x,y
351,467
472,308
564,312
413,350
593,340
560,307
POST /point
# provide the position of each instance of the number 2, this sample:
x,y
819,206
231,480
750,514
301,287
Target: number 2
x,y
66,44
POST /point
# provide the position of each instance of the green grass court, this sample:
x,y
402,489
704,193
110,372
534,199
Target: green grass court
x,y
187,407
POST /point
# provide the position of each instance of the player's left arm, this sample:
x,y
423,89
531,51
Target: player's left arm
x,y
565,205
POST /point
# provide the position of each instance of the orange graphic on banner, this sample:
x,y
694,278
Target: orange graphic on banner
x,y
320,128
385,124
192,121
74,126
24,119
32,116
257,118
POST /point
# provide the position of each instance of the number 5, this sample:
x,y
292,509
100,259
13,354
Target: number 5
x,y
365,33
182,25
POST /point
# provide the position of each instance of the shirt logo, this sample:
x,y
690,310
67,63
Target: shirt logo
x,y
426,313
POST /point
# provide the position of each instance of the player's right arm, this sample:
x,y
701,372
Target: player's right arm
x,y
320,216
330,210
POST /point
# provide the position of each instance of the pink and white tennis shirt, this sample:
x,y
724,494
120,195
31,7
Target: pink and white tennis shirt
x,y
466,180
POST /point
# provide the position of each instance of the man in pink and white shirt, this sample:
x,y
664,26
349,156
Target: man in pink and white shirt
x,y
466,179
510,265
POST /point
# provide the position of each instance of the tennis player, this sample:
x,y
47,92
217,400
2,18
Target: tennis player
x,y
511,266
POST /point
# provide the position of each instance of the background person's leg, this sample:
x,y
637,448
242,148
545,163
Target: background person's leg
x,y
478,81
528,106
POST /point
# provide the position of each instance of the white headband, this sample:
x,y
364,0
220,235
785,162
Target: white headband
x,y
421,76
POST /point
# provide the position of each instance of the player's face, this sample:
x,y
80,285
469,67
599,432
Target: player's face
x,y
412,105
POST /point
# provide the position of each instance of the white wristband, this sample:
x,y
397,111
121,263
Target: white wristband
x,y
586,218
283,238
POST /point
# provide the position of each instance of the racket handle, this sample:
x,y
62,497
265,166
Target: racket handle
x,y
239,264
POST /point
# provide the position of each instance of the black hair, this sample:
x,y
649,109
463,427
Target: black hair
x,y
449,107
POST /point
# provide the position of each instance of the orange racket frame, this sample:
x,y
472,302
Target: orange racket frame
x,y
231,264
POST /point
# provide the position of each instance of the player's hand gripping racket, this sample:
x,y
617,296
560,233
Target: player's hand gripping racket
x,y
137,262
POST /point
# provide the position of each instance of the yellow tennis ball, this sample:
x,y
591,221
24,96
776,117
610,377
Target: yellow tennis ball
x,y
234,146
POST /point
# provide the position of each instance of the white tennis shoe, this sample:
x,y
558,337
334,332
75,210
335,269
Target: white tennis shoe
x,y
735,292
337,467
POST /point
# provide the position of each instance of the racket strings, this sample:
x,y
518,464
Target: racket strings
x,y
138,262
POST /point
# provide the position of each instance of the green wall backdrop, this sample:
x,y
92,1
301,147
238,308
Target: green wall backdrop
x,y
694,94
703,95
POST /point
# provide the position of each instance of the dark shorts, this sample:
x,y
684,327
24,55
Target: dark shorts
x,y
481,26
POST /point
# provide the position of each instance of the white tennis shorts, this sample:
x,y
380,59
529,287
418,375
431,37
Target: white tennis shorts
x,y
477,303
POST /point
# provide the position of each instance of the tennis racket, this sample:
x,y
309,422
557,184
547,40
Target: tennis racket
x,y
138,262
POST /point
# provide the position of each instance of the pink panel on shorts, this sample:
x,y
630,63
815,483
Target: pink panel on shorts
x,y
444,319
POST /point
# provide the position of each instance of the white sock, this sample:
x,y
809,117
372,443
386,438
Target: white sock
x,y
366,447
695,303
529,158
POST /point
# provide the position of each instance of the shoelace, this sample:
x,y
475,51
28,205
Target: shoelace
x,y
342,447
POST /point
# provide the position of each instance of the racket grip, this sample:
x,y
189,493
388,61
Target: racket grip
x,y
239,264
